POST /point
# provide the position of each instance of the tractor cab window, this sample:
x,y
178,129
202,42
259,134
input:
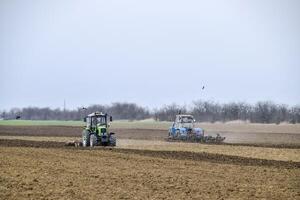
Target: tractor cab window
x,y
88,121
94,121
187,120
100,120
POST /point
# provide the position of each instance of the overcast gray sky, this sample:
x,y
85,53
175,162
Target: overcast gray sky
x,y
148,52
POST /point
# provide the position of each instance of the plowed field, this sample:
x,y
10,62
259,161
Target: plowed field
x,y
36,164
244,135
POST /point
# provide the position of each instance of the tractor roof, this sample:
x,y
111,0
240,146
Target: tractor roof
x,y
94,114
185,116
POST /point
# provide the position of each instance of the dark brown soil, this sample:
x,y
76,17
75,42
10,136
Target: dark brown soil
x,y
70,131
274,140
70,173
178,155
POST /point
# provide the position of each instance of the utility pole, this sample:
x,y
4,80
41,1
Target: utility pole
x,y
64,109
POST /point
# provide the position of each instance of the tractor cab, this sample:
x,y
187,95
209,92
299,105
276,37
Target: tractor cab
x,y
184,121
96,119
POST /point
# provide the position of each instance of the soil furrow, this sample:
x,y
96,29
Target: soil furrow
x,y
177,155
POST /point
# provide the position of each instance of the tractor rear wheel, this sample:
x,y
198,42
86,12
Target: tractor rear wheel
x,y
93,140
85,138
177,134
112,141
170,135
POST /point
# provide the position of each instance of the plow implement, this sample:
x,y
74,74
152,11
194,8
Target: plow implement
x,y
200,139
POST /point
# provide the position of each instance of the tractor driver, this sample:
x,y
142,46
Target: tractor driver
x,y
94,122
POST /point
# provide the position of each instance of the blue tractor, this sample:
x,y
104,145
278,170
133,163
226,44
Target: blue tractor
x,y
183,128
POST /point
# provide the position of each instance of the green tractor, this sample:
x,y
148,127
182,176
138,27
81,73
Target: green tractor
x,y
96,132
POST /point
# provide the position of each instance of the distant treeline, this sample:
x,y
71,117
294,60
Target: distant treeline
x,y
203,111
128,111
